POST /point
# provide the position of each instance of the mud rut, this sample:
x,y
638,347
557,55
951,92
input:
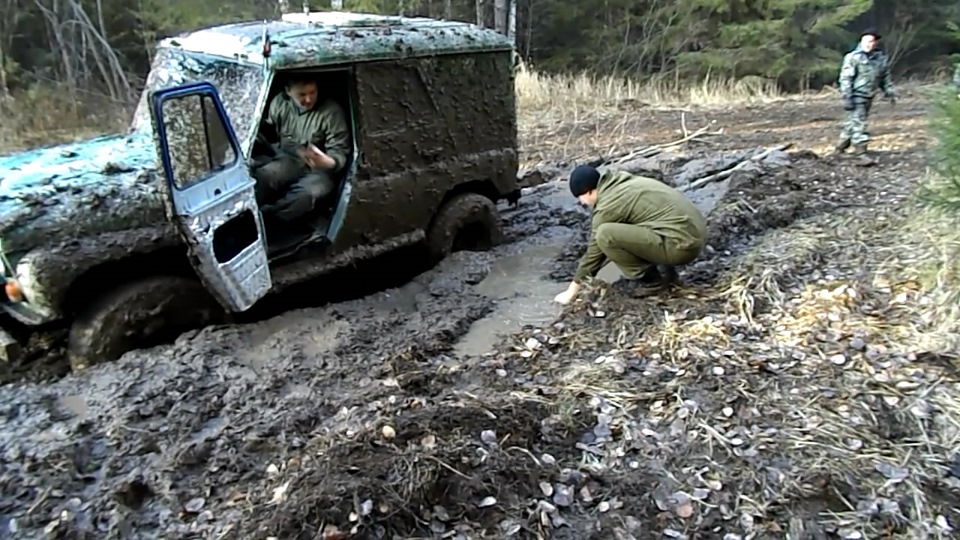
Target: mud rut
x,y
357,414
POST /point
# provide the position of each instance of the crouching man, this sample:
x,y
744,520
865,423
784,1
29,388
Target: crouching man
x,y
637,223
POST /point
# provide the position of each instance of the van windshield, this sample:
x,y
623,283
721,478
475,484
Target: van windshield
x,y
238,84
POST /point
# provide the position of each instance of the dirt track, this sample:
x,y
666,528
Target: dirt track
x,y
361,412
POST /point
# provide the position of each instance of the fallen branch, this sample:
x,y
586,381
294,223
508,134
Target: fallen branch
x,y
651,151
540,174
647,152
728,172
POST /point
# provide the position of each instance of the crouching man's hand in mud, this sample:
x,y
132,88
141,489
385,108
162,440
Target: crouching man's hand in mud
x,y
568,295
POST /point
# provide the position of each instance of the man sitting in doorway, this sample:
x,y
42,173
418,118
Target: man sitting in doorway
x,y
314,146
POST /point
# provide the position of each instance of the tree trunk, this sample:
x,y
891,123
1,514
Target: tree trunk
x,y
500,16
512,21
448,9
4,88
480,5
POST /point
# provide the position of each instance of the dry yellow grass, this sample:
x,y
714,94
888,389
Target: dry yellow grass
x,y
50,115
538,91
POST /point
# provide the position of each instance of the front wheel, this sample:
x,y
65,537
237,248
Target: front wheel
x,y
138,314
468,221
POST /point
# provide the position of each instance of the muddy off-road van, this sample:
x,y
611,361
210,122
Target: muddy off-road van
x,y
149,233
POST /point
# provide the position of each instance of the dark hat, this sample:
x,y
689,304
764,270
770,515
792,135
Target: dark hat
x,y
871,32
583,179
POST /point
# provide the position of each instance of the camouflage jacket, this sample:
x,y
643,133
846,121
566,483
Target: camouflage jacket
x,y
863,73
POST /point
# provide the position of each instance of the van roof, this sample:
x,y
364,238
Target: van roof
x,y
334,37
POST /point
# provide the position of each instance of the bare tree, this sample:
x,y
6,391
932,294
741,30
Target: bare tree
x,y
500,16
81,44
480,4
8,26
448,9
512,21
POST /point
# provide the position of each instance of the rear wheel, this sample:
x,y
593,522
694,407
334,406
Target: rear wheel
x,y
138,314
468,221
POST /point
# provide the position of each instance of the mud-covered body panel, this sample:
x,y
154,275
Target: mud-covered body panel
x,y
60,193
428,126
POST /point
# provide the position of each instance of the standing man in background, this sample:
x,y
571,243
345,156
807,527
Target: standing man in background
x,y
865,70
956,79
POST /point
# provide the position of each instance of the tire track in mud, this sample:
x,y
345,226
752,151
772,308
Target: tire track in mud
x,y
277,427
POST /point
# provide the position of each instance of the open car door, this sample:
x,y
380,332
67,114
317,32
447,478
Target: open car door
x,y
209,193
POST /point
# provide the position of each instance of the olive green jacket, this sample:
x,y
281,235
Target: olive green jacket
x,y
325,126
625,198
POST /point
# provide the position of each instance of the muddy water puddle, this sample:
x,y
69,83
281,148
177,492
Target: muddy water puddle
x,y
523,295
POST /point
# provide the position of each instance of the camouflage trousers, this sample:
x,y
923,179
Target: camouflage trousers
x,y
288,189
635,248
855,123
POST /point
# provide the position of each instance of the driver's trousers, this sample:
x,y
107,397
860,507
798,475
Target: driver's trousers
x,y
288,189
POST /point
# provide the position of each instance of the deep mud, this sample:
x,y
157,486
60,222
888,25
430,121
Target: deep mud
x,y
384,416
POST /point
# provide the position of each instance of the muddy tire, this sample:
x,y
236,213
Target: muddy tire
x,y
466,221
137,314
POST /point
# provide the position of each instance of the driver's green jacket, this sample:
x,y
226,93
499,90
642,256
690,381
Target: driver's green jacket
x,y
325,126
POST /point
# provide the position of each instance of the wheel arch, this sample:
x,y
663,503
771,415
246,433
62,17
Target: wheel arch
x,y
51,273
481,187
168,260
488,233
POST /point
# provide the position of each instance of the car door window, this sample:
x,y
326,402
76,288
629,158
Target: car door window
x,y
202,144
